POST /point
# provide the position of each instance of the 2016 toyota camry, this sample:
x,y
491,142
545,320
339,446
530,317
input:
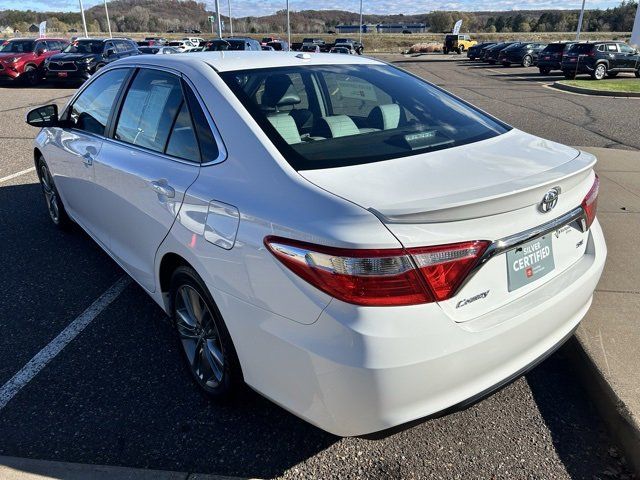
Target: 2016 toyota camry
x,y
354,243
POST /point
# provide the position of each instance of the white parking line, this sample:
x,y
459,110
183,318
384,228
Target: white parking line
x,y
48,353
17,174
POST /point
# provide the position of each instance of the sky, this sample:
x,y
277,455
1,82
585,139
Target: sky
x,y
242,8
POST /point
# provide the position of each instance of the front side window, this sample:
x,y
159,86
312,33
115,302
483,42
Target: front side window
x,y
612,47
90,111
624,48
331,116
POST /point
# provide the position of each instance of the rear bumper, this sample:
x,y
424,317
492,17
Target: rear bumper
x,y
360,370
550,64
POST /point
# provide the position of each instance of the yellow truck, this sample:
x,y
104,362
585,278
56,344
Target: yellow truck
x,y
457,43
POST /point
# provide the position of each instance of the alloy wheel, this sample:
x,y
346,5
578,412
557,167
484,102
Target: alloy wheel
x,y
50,194
600,72
200,337
527,61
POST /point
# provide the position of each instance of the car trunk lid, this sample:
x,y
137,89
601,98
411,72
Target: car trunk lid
x,y
490,190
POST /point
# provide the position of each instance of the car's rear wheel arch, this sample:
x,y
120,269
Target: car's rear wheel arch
x,y
169,263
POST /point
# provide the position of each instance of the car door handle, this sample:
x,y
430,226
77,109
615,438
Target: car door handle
x,y
162,188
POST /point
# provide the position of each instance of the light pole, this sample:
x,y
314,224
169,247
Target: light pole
x,y
230,21
288,26
84,21
360,21
580,21
219,20
106,10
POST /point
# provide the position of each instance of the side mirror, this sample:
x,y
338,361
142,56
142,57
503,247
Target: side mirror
x,y
41,51
41,117
110,52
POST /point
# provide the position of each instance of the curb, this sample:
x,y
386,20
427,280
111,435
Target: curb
x,y
589,91
613,411
15,468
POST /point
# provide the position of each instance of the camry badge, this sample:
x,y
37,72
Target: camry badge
x,y
550,200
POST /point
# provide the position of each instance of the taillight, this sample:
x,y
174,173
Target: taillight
x,y
590,202
445,267
380,277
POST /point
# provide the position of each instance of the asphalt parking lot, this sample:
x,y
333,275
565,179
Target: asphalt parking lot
x,y
119,394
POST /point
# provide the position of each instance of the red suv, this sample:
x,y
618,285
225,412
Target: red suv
x,y
22,58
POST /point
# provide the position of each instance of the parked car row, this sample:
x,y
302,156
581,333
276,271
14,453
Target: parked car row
x,y
597,59
318,45
59,60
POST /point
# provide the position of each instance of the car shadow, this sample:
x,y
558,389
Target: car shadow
x,y
120,393
572,419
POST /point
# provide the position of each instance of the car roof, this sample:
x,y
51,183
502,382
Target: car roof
x,y
227,61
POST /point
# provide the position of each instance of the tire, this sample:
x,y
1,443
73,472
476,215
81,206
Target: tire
x,y
445,51
206,343
31,75
638,73
545,71
527,61
600,72
461,49
57,212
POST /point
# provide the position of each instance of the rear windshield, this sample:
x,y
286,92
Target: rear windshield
x,y
219,45
17,46
332,116
555,47
582,48
85,46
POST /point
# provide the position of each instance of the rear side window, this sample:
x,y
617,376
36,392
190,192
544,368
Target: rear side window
x,y
182,141
208,146
90,111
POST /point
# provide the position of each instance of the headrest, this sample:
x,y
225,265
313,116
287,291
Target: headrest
x,y
276,92
385,117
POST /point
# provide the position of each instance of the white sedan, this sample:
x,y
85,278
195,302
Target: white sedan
x,y
352,242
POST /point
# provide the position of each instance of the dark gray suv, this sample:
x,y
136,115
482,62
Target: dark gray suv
x,y
601,59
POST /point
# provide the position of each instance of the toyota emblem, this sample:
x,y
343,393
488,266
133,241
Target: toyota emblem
x,y
550,200
60,63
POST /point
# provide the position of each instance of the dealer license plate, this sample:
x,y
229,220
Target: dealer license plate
x,y
529,262
62,74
